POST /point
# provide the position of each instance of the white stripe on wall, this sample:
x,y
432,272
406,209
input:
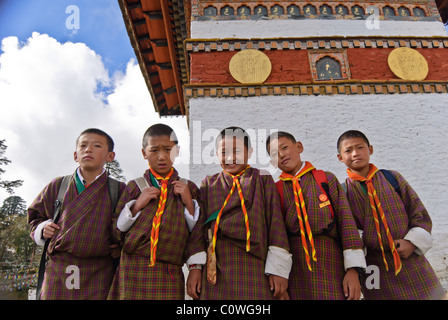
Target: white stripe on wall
x,y
246,29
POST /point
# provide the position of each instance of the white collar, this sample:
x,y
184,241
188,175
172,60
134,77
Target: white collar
x,y
81,178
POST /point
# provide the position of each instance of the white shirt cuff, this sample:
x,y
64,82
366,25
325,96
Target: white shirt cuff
x,y
38,233
197,258
191,220
126,220
354,258
420,238
278,262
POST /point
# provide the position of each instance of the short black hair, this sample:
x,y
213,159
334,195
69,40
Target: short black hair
x,y
351,134
110,142
157,130
236,132
278,135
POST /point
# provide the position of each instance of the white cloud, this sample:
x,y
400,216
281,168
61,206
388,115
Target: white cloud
x,y
50,92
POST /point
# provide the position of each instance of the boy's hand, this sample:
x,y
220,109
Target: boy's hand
x,y
144,198
279,285
194,283
49,230
351,285
404,248
182,190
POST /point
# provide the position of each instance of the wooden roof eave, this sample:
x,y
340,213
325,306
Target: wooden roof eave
x,y
168,101
170,40
135,46
442,5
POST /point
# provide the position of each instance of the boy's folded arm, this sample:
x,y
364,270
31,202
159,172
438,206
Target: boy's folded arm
x,y
41,209
278,262
419,233
420,238
126,220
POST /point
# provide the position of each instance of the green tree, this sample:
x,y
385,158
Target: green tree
x,y
13,205
14,230
8,185
21,244
114,170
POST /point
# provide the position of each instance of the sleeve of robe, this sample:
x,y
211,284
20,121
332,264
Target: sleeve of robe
x,y
347,230
42,208
420,224
278,260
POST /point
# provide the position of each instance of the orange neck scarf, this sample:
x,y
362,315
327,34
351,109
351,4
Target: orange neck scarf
x,y
375,204
301,210
158,216
236,183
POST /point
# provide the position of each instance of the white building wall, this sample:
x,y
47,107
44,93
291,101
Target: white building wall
x,y
408,132
278,28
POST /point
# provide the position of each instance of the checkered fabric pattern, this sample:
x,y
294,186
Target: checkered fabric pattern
x,y
416,279
133,280
240,274
136,280
325,281
82,241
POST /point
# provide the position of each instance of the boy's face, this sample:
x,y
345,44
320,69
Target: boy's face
x,y
233,154
92,152
355,153
160,152
285,154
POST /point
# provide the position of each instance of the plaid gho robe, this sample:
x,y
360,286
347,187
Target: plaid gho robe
x,y
82,241
240,274
417,279
324,282
134,279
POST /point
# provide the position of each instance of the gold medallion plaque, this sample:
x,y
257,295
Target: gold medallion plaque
x,y
250,66
408,64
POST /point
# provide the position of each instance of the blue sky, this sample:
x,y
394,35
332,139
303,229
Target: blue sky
x,y
56,81
101,25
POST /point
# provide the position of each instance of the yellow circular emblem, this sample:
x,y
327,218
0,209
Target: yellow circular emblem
x,y
250,66
408,64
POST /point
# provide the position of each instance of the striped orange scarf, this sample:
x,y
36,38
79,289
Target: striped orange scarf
x,y
301,210
236,183
375,204
158,216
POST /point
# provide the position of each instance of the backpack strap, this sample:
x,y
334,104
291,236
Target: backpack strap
x,y
183,180
56,214
322,181
392,180
113,187
142,183
344,187
61,193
